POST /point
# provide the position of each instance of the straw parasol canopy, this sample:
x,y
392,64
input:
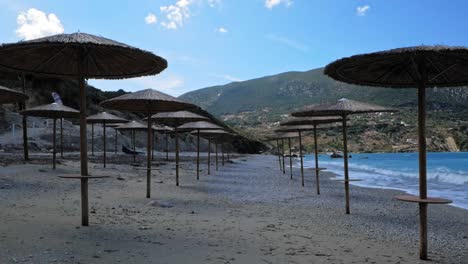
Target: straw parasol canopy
x,y
80,56
199,125
343,108
60,56
162,129
132,125
418,67
145,101
104,118
54,111
148,101
176,119
304,124
212,135
11,96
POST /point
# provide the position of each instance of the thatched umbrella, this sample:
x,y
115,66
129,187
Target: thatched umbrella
x,y
197,126
211,135
163,130
104,119
12,76
11,96
114,126
294,123
281,135
147,101
414,67
80,56
132,126
53,111
343,107
176,119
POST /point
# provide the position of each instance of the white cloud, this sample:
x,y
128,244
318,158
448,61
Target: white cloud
x,y
165,82
362,10
176,14
223,30
288,42
34,24
151,19
232,78
272,3
214,3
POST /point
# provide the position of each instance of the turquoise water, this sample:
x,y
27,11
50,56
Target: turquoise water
x,y
447,173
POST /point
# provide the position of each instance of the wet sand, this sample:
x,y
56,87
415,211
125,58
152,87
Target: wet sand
x,y
247,212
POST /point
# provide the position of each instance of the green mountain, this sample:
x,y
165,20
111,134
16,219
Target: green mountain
x,y
256,105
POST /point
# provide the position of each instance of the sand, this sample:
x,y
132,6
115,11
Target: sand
x,y
247,212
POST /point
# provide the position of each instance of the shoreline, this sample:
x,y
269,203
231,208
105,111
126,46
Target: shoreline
x,y
247,212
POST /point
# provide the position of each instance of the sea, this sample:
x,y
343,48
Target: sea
x,y
447,173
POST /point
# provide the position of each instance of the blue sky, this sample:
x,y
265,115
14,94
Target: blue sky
x,y
212,42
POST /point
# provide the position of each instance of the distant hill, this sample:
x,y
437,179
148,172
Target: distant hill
x,y
257,104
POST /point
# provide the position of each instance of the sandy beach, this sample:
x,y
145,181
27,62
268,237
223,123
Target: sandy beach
x,y
247,212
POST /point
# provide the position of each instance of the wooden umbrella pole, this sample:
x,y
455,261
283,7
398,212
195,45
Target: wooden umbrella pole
x,y
25,122
92,139
222,153
83,149
317,176
198,154
148,156
290,158
61,138
134,146
54,151
216,146
167,147
152,148
209,155
104,143
115,142
278,153
345,160
282,154
302,161
422,161
177,156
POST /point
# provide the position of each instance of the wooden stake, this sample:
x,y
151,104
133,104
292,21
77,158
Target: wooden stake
x,y
61,138
167,147
25,122
83,148
282,154
317,177
422,159
115,142
222,153
177,156
104,142
302,161
216,146
198,154
155,140
209,155
148,156
290,158
54,151
345,160
92,139
278,154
